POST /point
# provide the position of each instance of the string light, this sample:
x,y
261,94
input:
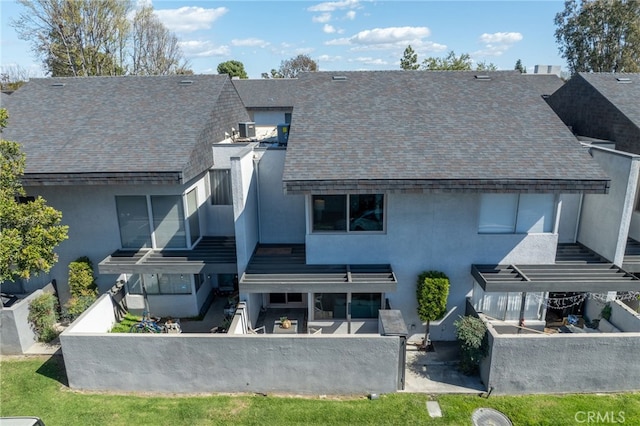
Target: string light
x,y
577,299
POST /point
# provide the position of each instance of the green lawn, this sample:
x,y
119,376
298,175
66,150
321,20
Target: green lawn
x,y
37,386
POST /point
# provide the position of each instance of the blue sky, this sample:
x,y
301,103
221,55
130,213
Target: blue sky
x,y
340,35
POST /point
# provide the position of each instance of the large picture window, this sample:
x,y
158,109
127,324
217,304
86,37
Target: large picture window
x,y
158,218
220,182
348,213
516,213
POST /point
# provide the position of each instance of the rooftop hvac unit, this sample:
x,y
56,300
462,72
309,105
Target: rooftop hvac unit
x,y
247,129
283,134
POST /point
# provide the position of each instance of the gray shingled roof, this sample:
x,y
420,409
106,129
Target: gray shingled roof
x,y
623,95
267,93
155,128
546,84
414,131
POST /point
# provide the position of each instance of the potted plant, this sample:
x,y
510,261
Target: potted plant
x,y
285,322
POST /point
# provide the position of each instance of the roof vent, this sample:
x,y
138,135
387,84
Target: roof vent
x,y
623,79
339,78
482,77
185,82
57,84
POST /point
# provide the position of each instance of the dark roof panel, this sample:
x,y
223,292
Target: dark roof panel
x,y
430,127
621,89
267,93
122,124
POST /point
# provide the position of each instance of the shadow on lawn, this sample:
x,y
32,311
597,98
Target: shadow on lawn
x,y
53,368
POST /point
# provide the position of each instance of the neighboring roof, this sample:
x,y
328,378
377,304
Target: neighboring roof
x,y
154,129
432,131
267,93
621,89
546,84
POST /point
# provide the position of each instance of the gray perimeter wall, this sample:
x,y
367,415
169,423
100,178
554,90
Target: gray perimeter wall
x,y
562,363
16,335
306,364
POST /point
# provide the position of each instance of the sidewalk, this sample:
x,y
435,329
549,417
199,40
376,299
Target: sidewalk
x,y
436,372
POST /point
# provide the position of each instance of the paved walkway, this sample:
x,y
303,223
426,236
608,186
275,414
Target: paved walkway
x,y
436,372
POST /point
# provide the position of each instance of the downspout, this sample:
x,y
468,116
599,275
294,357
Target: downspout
x,y
256,168
575,236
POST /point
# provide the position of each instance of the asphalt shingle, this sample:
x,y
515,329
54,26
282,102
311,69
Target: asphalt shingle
x,y
110,125
419,127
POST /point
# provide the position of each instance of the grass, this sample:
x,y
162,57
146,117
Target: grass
x,y
125,325
37,386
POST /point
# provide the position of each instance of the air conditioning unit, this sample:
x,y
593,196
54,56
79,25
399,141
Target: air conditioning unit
x,y
283,134
247,129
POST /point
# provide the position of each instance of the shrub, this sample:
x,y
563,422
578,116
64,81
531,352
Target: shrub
x,y
82,282
42,316
471,332
432,290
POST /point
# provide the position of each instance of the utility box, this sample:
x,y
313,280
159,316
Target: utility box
x,y
283,133
247,129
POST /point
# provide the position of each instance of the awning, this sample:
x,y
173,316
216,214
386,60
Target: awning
x,y
283,269
565,277
215,253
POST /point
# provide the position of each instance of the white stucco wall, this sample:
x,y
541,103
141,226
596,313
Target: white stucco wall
x,y
431,232
606,218
245,206
569,217
90,212
282,217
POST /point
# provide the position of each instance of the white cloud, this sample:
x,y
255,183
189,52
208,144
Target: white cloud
x,y
369,61
198,49
338,42
331,6
189,18
325,17
351,15
250,42
390,35
497,43
329,29
501,38
327,58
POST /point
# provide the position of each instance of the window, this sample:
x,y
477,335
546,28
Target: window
x,y
364,213
220,181
516,213
167,283
192,212
133,217
159,216
168,221
161,283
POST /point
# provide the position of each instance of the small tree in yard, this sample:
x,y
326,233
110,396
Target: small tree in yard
x,y
432,292
471,332
42,316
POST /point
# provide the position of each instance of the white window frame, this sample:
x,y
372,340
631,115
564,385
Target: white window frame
x,y
311,207
519,214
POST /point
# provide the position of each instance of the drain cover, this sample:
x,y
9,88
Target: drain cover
x,y
489,417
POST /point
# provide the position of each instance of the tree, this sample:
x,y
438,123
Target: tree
x,y
29,229
432,291
409,60
155,49
76,38
233,68
599,35
520,67
292,67
12,77
451,62
95,37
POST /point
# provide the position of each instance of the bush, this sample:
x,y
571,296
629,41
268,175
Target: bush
x,y
43,317
471,332
82,282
